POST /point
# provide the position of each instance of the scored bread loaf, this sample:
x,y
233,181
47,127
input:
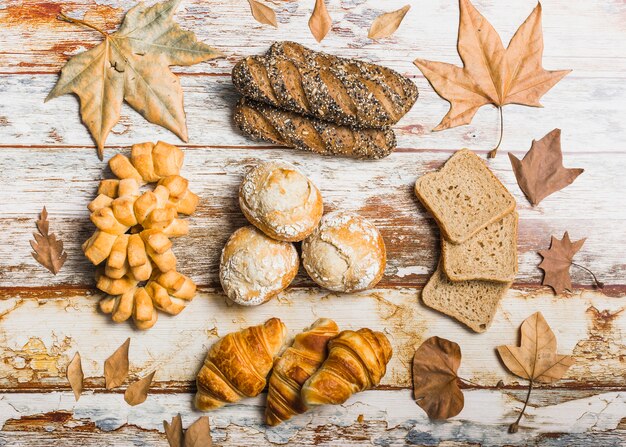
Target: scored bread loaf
x,y
490,255
292,130
331,88
464,196
473,303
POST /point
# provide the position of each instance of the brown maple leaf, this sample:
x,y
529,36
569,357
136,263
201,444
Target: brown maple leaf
x,y
48,250
199,433
132,64
536,359
116,366
557,261
491,74
435,382
137,392
174,431
263,13
386,24
541,171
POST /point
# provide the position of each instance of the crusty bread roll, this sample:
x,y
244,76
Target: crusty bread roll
x,y
254,267
280,201
345,253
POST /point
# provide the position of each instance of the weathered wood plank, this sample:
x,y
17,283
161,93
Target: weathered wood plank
x,y
371,418
39,337
65,180
588,125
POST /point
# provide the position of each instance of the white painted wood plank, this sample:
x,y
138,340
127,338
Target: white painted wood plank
x,y
587,109
395,418
39,337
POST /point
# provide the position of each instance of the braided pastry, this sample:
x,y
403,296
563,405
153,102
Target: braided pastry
x,y
133,235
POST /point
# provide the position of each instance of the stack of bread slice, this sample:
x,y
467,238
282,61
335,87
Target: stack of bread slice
x,y
478,222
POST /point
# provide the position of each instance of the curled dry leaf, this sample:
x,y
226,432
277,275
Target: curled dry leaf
x,y
263,13
132,64
386,24
541,171
75,376
48,250
536,359
320,21
435,382
116,366
491,74
174,431
137,392
199,434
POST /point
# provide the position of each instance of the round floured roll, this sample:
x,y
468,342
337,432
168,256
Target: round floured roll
x,y
345,253
281,201
254,267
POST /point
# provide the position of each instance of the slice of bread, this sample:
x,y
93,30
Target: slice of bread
x,y
473,303
464,196
490,255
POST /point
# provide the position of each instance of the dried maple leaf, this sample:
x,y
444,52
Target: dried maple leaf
x,y
263,13
320,21
116,366
132,64
535,359
137,392
199,434
48,250
386,24
75,375
174,431
491,74
435,383
541,171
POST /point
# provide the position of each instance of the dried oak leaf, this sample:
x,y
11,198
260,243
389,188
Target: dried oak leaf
x,y
75,375
199,434
137,392
132,64
541,171
320,21
435,386
48,250
174,431
491,74
263,13
386,24
116,366
557,261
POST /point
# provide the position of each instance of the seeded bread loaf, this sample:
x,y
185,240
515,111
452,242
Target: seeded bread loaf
x,y
490,255
292,130
330,88
473,303
464,196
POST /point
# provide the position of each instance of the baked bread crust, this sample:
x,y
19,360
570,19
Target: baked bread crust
x,y
280,201
345,253
254,268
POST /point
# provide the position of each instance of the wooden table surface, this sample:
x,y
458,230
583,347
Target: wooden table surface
x,y
48,158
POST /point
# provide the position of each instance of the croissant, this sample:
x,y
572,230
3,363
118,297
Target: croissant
x,y
238,364
356,362
293,368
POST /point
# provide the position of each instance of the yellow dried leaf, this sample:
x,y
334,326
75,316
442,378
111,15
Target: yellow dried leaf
x,y
137,392
116,366
320,21
199,434
75,375
263,13
386,24
174,431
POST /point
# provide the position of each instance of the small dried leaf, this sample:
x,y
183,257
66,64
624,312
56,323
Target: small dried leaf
x,y
320,21
386,24
263,13
557,261
199,434
116,367
75,376
48,251
137,392
174,431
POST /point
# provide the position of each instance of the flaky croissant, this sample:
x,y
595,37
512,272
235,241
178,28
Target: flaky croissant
x,y
293,368
238,364
356,362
